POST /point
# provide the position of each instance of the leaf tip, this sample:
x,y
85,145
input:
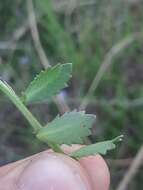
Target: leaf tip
x,y
118,139
67,66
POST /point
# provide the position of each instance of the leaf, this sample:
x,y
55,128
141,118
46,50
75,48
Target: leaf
x,y
97,148
70,128
48,83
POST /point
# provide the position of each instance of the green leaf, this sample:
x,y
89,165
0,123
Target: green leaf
x,y
70,128
97,148
48,83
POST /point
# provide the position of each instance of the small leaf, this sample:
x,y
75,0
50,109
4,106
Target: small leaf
x,y
48,83
97,148
70,128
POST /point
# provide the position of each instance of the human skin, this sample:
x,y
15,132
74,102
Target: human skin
x,y
53,171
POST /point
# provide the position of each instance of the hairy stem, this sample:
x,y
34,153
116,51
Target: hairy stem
x,y
8,91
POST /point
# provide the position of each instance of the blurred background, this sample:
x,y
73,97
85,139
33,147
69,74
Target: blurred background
x,y
104,41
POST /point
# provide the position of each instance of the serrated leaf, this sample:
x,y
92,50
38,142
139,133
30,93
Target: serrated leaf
x,y
70,128
48,83
97,148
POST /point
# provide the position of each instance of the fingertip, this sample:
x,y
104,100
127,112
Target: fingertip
x,y
96,168
53,171
97,171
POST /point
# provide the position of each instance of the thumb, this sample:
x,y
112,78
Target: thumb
x,y
46,171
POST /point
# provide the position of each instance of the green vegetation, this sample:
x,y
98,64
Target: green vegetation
x,y
70,128
89,35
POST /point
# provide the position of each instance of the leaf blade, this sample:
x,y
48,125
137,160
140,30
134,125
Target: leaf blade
x,y
97,148
70,128
48,83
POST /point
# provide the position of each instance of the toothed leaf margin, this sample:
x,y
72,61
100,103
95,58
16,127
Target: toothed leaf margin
x,y
97,148
70,128
48,83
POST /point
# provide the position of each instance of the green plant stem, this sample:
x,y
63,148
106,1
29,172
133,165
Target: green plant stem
x,y
6,89
55,147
